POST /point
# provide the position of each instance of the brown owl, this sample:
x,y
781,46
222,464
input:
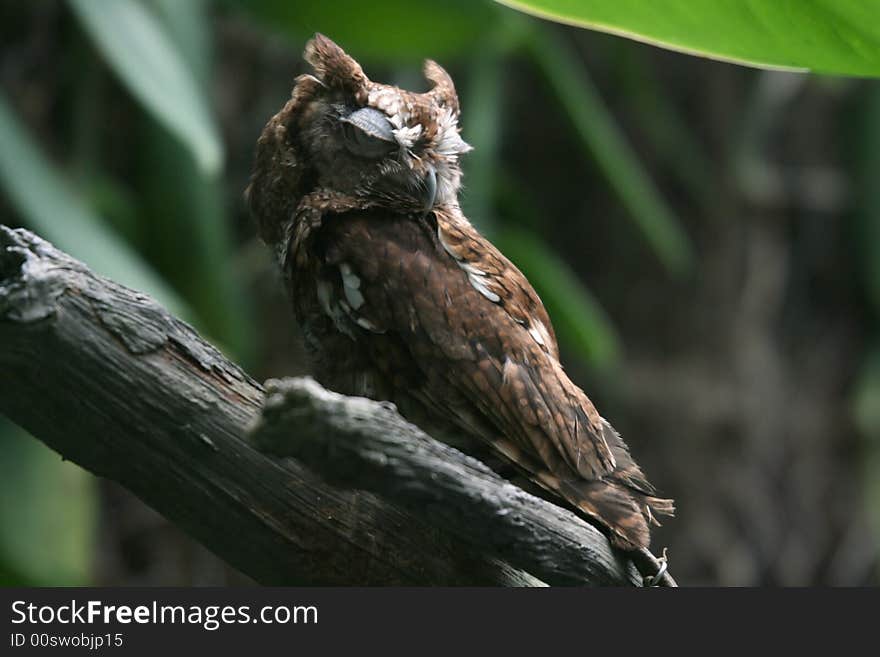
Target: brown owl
x,y
399,298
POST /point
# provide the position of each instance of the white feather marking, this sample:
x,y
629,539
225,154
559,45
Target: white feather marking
x,y
536,335
479,284
408,136
351,286
607,425
471,269
354,297
539,332
449,141
349,278
507,371
476,276
324,291
363,322
446,245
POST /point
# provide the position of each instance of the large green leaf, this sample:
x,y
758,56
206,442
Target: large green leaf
x,y
50,207
827,36
191,238
48,511
137,48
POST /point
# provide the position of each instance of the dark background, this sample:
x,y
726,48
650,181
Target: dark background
x,y
705,236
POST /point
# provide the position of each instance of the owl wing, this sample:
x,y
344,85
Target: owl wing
x,y
474,321
477,332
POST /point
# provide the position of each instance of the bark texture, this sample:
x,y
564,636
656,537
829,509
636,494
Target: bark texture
x,y
113,382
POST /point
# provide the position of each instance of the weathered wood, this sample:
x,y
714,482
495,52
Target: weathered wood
x,y
358,442
111,381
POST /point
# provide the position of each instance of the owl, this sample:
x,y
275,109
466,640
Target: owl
x,y
399,298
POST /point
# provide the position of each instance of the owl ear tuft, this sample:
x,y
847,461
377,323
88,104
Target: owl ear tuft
x,y
333,66
442,87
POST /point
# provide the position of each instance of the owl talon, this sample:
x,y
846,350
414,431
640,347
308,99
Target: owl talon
x,y
655,579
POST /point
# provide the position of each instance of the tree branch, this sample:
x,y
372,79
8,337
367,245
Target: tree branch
x,y
360,443
111,381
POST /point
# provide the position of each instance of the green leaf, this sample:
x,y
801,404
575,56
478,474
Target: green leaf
x,y
483,98
48,511
193,241
578,319
827,36
391,30
602,137
51,208
137,48
189,27
661,121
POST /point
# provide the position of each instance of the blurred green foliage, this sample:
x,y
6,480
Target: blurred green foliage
x,y
867,388
59,214
602,138
151,65
579,320
170,235
397,31
48,512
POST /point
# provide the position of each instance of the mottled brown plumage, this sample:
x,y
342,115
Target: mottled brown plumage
x,y
400,298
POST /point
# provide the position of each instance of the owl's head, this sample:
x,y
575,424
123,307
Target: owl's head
x,y
342,133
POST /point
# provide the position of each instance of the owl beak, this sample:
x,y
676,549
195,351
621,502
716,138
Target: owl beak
x,y
430,189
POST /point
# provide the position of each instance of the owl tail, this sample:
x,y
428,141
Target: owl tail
x,y
623,501
627,513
